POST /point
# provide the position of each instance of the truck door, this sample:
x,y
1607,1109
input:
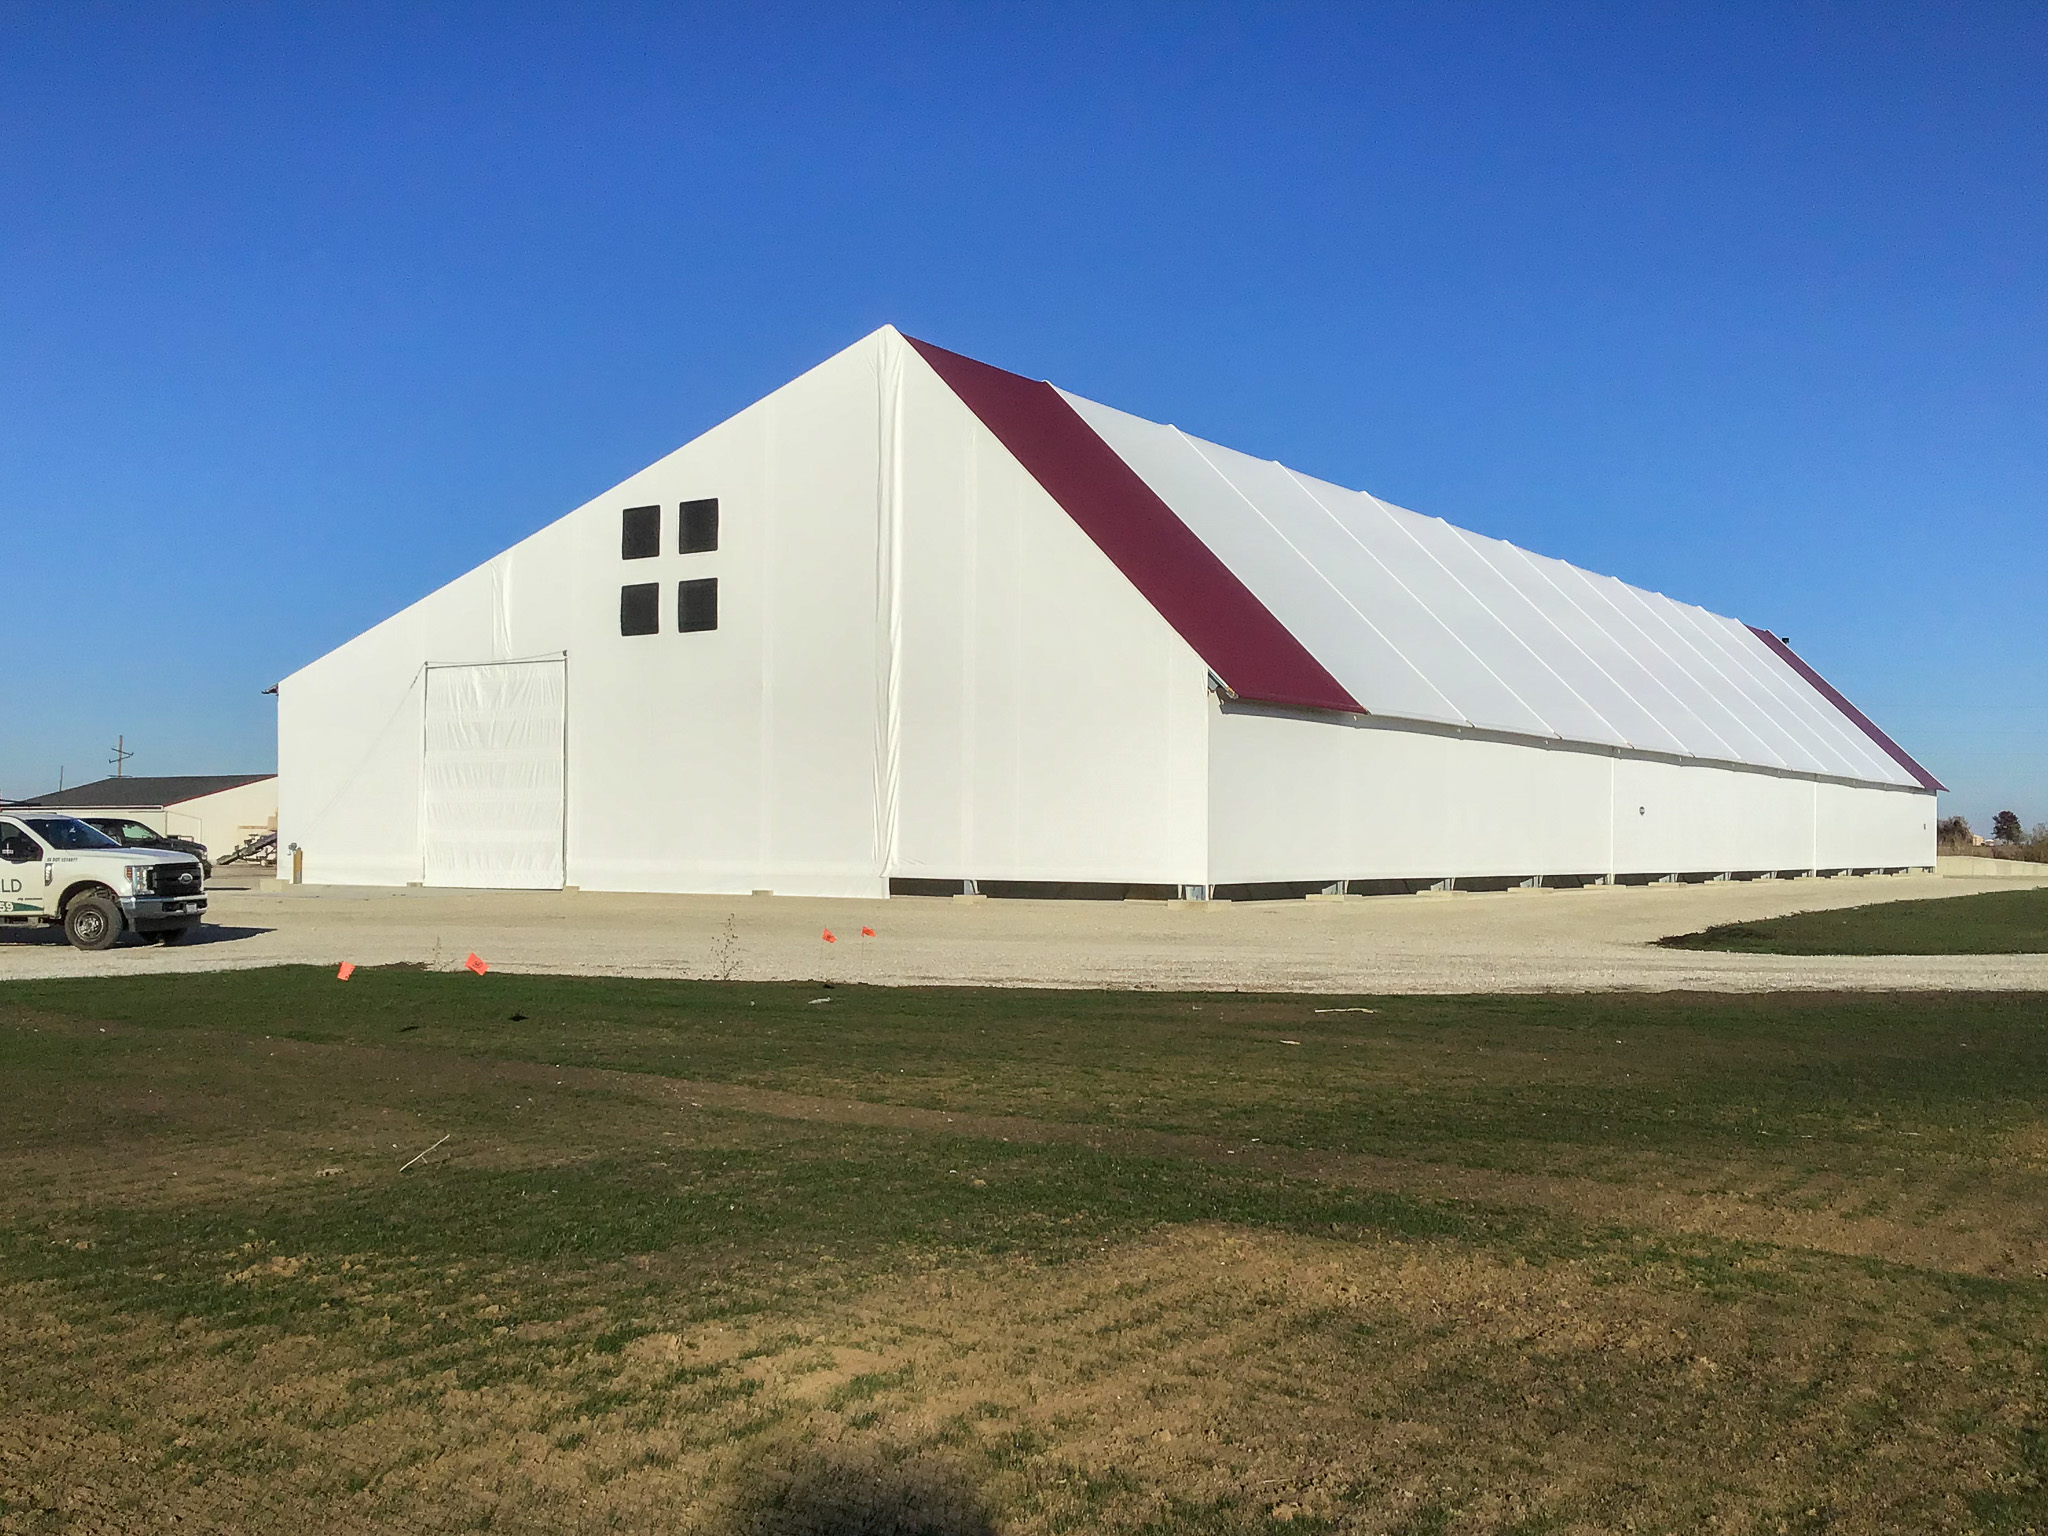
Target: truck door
x,y
22,892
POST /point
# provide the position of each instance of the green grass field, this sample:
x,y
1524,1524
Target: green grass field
x,y
747,1258
1994,923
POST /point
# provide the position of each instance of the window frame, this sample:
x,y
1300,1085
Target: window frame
x,y
628,594
631,521
691,517
684,603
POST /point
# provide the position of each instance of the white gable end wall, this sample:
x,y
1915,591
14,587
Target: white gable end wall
x,y
349,742
1052,723
731,760
743,758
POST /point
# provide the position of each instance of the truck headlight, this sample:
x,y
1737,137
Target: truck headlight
x,y
138,878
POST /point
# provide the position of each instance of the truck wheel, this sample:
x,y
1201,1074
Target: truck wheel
x,y
92,922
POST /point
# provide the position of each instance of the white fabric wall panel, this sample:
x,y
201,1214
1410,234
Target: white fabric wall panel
x,y
1295,799
492,776
1688,818
740,758
1052,724
1870,829
348,743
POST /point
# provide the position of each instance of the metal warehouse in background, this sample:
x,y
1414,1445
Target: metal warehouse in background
x,y
220,810
915,623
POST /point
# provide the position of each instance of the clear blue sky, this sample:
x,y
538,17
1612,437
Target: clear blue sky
x,y
306,309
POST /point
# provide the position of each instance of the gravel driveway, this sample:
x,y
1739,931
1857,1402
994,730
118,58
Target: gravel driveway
x,y
1539,940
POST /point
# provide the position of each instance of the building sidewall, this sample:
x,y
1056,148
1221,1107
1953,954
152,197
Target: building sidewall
x,y
1298,799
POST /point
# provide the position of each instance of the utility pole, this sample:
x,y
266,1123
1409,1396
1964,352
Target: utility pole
x,y
121,754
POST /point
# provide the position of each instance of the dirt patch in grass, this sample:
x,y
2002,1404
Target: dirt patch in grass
x,y
1202,1378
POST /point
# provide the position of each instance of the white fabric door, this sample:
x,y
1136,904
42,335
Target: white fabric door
x,y
492,781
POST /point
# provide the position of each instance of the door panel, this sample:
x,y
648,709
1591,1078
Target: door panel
x,y
492,779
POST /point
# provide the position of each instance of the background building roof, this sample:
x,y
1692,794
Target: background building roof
x,y
142,792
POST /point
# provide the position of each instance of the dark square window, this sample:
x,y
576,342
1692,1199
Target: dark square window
x,y
700,526
640,533
640,609
697,604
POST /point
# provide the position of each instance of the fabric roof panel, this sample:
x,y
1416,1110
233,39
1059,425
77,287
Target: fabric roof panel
x,y
1434,641
1514,639
1712,669
1829,721
1594,624
1798,710
1184,579
1547,622
1785,656
1353,646
1615,602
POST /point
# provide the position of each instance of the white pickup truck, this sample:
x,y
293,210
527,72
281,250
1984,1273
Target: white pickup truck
x,y
56,869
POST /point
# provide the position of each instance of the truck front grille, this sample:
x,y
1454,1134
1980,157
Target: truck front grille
x,y
174,880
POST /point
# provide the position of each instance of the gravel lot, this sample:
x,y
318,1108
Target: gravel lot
x,y
1542,940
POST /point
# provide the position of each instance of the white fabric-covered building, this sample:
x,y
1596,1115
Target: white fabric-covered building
x,y
913,619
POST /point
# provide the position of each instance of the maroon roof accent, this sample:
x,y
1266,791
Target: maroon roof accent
x,y
1828,691
1255,655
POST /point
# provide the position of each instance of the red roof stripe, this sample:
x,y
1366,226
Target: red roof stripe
x,y
1255,655
1828,691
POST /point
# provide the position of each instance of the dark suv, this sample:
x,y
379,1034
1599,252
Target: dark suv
x,y
133,834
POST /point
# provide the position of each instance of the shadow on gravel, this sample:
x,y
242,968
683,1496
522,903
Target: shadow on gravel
x,y
52,937
843,1492
210,933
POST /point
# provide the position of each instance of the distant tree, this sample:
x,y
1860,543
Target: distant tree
x,y
1953,829
2005,827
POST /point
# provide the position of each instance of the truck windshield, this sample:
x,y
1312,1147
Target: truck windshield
x,y
68,833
